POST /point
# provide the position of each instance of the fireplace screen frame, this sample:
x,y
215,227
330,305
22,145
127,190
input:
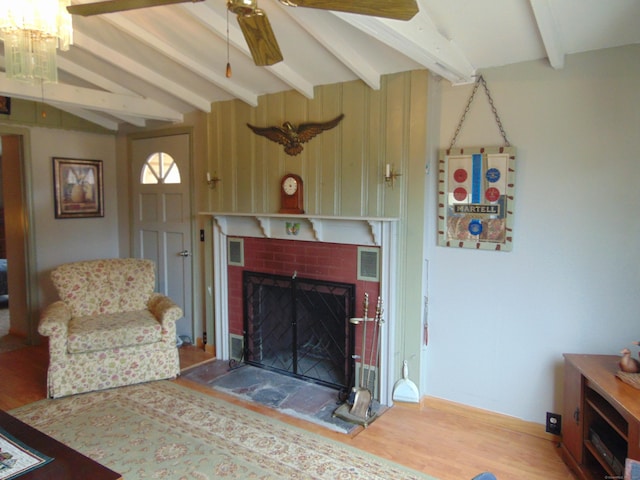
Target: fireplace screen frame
x,y
285,331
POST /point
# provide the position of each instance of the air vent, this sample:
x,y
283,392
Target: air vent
x,y
236,346
235,252
369,264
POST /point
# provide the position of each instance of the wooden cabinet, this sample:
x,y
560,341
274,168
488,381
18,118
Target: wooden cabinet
x,y
601,417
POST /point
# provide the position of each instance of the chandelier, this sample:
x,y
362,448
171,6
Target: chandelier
x,y
32,31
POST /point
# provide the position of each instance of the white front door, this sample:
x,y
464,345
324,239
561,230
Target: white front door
x,y
161,227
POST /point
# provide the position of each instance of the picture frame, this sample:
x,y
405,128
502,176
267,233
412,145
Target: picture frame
x,y
476,193
78,188
5,105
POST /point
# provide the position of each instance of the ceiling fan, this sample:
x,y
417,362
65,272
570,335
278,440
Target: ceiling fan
x,y
254,23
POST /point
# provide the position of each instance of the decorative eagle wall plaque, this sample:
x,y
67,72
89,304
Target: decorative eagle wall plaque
x,y
291,136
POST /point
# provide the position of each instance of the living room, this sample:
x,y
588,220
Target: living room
x,y
498,322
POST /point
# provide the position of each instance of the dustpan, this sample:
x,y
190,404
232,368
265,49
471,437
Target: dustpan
x,y
405,390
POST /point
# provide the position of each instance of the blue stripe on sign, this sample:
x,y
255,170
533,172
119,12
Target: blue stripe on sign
x,y
476,178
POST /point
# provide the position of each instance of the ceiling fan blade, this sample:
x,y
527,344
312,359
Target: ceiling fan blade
x,y
260,38
396,9
111,6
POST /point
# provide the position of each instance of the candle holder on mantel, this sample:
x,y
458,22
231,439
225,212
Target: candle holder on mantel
x,y
213,182
390,175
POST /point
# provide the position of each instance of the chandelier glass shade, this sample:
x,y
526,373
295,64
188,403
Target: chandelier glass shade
x,y
32,31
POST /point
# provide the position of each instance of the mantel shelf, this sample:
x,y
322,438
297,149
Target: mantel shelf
x,y
314,228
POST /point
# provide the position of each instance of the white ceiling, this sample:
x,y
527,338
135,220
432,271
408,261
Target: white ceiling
x,y
154,65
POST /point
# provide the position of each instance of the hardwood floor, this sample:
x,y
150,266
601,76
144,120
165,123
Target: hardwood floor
x,y
431,438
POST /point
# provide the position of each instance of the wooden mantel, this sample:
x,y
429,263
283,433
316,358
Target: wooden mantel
x,y
314,228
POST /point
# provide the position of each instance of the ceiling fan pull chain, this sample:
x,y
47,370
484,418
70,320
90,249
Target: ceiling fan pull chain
x,y
480,80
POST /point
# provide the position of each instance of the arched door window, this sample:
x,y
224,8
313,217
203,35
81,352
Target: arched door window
x,y
160,167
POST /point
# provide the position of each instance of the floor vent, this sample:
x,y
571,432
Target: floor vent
x,y
236,346
369,264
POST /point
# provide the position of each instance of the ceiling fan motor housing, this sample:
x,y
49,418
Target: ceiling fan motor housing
x,y
242,7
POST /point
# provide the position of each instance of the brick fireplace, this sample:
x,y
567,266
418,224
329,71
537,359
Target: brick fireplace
x,y
319,248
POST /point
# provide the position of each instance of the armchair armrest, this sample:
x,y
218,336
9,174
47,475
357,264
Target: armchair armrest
x,y
54,323
166,312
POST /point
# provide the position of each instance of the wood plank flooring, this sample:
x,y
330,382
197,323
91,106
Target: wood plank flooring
x,y
437,441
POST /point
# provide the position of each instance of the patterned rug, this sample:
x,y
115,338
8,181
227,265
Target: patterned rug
x,y
166,431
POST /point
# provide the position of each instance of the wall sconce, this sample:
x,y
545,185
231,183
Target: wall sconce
x,y
390,175
212,182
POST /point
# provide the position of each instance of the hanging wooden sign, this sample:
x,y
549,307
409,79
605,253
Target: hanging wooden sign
x,y
476,190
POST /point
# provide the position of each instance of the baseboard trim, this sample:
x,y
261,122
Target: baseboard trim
x,y
488,417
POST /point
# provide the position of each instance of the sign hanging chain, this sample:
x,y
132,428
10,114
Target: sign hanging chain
x,y
479,81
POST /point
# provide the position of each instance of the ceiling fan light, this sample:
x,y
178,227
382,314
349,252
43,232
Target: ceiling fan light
x,y
242,7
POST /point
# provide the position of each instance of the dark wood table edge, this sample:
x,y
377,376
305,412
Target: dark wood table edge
x,y
68,464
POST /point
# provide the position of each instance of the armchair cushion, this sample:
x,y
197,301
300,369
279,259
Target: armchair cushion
x,y
105,286
113,330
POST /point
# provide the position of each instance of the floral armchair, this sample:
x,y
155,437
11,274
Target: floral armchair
x,y
109,327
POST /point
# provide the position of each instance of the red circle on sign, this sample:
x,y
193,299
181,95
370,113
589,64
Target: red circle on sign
x,y
460,175
460,194
492,194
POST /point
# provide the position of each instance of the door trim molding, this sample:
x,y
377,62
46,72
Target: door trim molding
x,y
31,272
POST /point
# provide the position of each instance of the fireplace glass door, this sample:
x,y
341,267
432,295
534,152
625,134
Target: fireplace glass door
x,y
299,327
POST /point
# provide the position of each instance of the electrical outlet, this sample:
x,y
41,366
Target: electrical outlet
x,y
554,423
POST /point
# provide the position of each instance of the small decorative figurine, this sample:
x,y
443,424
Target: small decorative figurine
x,y
628,364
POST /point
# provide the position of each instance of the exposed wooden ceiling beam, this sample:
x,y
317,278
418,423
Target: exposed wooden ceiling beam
x,y
321,25
419,40
89,99
99,81
148,75
88,115
168,50
548,29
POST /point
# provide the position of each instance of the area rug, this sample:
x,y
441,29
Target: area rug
x,y
166,431
291,396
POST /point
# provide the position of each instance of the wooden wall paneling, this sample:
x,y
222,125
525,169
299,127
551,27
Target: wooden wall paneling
x,y
331,98
296,112
397,102
275,111
214,133
225,150
352,168
311,167
245,174
375,155
262,164
412,206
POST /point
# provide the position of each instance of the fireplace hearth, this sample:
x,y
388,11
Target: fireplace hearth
x,y
300,327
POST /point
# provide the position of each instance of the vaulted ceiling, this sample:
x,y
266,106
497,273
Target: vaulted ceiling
x,y
154,65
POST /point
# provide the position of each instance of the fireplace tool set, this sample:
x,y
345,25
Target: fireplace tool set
x,y
358,407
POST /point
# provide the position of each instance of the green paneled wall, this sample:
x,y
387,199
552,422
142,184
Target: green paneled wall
x,y
342,169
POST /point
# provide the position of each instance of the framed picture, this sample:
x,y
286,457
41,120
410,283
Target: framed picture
x,y
78,188
5,105
476,190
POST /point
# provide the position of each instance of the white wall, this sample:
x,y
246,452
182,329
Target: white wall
x,y
500,322
64,240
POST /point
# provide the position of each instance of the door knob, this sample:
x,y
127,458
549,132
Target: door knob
x,y
185,253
